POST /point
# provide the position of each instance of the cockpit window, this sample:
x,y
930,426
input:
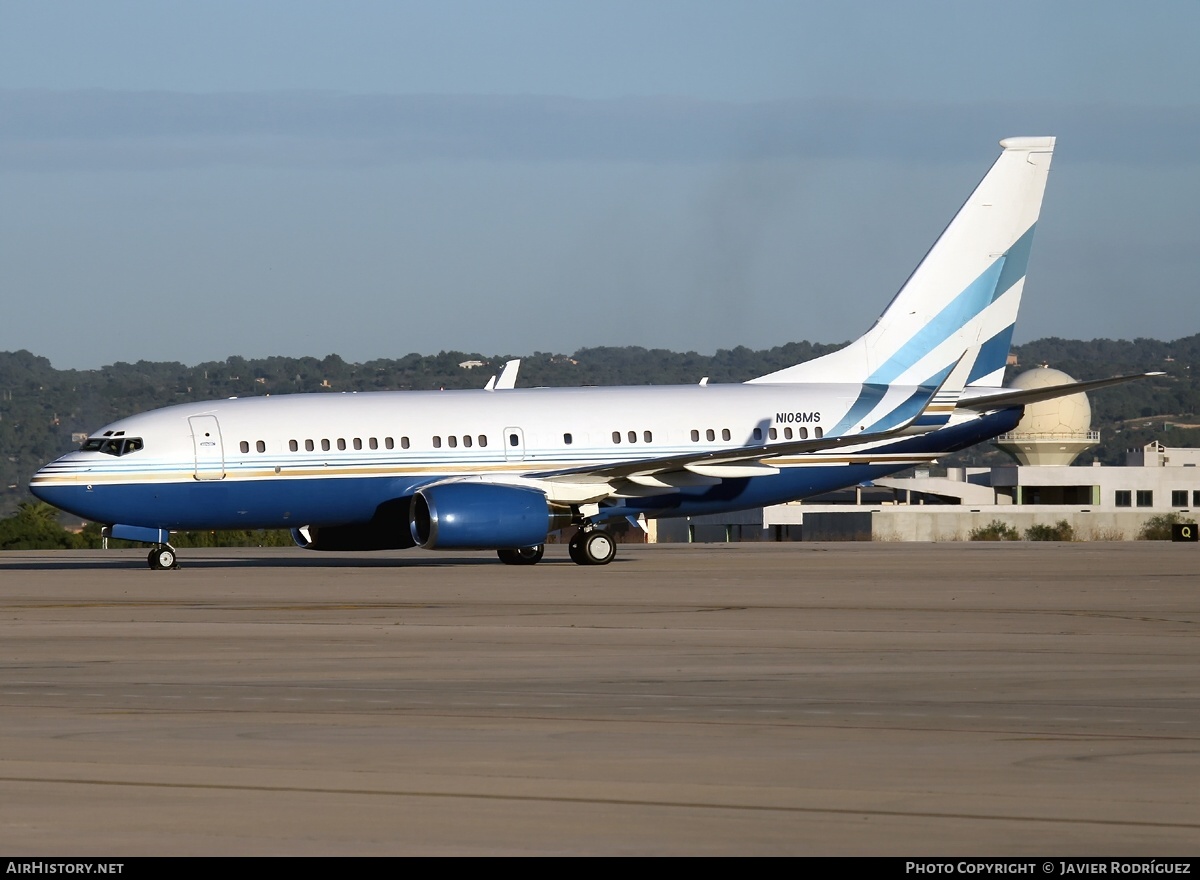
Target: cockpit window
x,y
112,445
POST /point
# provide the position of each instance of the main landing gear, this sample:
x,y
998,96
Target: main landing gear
x,y
162,557
588,547
522,555
592,547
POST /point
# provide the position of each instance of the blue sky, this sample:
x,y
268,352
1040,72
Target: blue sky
x,y
188,181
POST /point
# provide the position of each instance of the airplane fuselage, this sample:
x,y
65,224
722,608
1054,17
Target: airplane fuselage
x,y
333,459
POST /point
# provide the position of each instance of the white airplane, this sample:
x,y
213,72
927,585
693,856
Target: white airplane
x,y
488,470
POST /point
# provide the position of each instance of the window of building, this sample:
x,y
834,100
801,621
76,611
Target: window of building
x,y
1179,498
1123,498
1145,498
1196,498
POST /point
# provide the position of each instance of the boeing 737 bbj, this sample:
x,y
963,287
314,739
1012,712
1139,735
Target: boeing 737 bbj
x,y
501,468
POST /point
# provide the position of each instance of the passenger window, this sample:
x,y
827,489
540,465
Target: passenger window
x,y
373,442
483,439
293,446
244,446
437,442
358,442
403,443
787,433
260,446
616,436
341,443
803,433
514,440
633,436
308,446
453,441
758,433
773,434
818,432
725,435
467,440
567,439
710,434
324,445
695,436
647,436
389,443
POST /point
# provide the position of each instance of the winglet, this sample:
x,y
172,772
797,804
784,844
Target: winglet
x,y
508,376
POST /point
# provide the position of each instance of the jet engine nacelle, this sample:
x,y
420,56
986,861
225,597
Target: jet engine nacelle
x,y
480,516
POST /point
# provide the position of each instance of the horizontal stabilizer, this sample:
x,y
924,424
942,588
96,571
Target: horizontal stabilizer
x,y
987,399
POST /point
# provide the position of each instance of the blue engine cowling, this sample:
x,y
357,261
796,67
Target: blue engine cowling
x,y
478,516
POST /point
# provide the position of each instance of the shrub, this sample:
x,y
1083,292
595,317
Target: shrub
x,y
1158,527
994,531
1060,531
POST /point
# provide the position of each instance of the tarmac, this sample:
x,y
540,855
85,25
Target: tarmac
x,y
872,699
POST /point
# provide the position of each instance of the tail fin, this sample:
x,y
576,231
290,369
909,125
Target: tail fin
x,y
965,293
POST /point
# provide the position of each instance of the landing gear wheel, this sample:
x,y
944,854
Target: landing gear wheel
x,y
522,555
575,548
162,558
592,548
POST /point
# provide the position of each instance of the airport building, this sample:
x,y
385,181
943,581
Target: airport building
x,y
1039,488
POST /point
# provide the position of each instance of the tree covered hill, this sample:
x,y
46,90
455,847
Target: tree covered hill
x,y
41,407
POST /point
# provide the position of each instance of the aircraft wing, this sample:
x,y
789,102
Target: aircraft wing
x,y
717,463
986,399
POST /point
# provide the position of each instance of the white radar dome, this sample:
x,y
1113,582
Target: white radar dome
x,y
1063,415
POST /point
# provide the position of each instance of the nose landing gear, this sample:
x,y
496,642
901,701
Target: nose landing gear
x,y
162,557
